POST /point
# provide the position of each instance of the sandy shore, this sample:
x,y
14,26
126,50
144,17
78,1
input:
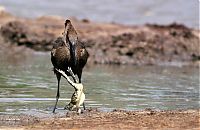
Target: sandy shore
x,y
117,119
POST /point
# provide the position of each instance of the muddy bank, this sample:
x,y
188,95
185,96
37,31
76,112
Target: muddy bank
x,y
108,43
117,119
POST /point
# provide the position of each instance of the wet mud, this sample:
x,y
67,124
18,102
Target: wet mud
x,y
116,119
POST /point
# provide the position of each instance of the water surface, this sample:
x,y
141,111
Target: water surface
x,y
118,11
29,85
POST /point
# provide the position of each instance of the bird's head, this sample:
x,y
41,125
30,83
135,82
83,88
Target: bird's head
x,y
67,22
70,34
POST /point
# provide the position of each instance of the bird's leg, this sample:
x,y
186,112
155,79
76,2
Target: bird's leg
x,y
79,75
58,75
84,106
69,81
69,70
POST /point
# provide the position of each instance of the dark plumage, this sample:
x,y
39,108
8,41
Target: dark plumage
x,y
71,36
67,52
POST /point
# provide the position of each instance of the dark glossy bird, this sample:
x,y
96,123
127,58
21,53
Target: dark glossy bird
x,y
67,52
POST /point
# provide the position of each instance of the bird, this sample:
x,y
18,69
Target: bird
x,y
68,51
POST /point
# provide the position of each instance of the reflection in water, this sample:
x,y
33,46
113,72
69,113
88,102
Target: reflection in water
x,y
32,86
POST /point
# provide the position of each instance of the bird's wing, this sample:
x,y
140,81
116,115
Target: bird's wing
x,y
53,51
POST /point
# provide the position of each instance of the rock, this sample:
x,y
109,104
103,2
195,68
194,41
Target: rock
x,y
108,43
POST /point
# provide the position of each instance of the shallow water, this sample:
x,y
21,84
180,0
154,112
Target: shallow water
x,y
29,85
119,11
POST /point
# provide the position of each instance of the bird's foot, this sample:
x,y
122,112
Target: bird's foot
x,y
54,110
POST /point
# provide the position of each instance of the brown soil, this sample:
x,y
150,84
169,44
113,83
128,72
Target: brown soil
x,y
117,119
108,43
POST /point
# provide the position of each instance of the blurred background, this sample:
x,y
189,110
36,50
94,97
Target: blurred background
x,y
117,11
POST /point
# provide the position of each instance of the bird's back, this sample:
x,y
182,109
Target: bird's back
x,y
61,56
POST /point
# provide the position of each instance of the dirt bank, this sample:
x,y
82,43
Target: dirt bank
x,y
108,43
117,119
